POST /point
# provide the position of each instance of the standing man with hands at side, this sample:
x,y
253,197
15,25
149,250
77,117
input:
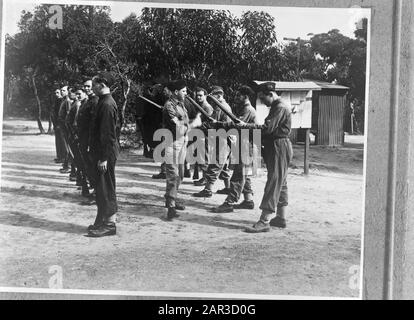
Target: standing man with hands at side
x,y
104,149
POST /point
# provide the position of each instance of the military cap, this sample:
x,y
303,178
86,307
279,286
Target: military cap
x,y
177,85
217,89
266,87
170,85
246,90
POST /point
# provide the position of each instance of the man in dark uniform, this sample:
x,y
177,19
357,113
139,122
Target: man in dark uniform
x,y
240,180
71,138
84,121
149,117
73,125
56,102
62,114
175,119
219,169
277,154
105,151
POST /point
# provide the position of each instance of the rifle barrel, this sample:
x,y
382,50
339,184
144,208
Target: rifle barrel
x,y
228,113
151,102
198,107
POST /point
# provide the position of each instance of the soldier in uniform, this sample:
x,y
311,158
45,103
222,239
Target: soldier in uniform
x,y
160,99
240,180
105,151
217,170
79,157
277,154
201,99
175,119
56,102
84,121
71,137
63,112
148,117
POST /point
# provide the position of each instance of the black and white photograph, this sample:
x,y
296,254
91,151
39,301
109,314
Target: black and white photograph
x,y
116,177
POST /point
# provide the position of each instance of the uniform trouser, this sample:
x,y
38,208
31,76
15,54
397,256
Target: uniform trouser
x,y
78,161
88,165
215,171
203,166
277,158
61,137
220,169
239,183
60,144
106,191
174,169
65,136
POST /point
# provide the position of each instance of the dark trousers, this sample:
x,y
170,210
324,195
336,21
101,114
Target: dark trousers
x,y
67,151
277,158
78,163
89,166
60,144
239,183
106,191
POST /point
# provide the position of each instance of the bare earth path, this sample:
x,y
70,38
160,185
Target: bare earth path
x,y
42,223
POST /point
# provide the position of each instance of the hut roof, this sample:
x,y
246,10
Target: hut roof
x,y
293,86
327,85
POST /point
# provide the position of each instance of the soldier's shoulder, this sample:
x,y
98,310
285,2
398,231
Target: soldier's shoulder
x,y
170,103
282,104
251,109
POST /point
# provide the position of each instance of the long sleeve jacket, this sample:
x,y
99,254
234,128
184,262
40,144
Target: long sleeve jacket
x,y
175,117
104,141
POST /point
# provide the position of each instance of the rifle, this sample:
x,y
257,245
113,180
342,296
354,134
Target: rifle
x,y
202,111
220,105
151,102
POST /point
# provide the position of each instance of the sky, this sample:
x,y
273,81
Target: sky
x,y
290,22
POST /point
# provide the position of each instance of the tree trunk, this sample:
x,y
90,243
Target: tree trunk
x,y
39,106
124,104
9,95
49,129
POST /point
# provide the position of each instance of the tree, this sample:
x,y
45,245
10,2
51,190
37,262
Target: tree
x,y
205,47
42,57
333,57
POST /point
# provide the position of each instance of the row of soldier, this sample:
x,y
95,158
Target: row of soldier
x,y
170,107
87,132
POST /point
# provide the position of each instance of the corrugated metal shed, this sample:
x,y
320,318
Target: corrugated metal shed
x,y
327,85
328,113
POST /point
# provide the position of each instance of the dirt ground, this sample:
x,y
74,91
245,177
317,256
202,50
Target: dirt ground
x,y
43,223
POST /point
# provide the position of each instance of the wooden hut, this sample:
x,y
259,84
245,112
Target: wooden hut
x,y
298,97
